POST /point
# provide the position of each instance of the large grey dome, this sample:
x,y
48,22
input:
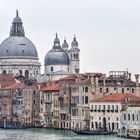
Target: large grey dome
x,y
18,46
56,56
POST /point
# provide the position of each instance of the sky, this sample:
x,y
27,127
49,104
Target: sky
x,y
108,31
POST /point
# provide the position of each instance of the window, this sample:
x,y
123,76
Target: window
x,y
86,100
77,56
86,89
128,117
41,101
4,72
108,107
20,72
34,92
112,107
117,107
34,101
132,90
26,74
107,90
133,117
100,90
51,68
91,124
122,90
124,117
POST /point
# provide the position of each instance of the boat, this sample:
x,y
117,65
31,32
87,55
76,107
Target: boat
x,y
86,132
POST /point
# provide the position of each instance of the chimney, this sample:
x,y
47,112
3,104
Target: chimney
x,y
130,76
137,79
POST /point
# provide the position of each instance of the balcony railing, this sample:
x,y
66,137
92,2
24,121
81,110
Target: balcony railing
x,y
63,110
48,113
73,104
48,101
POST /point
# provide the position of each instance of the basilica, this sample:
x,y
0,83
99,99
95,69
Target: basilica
x,y
19,56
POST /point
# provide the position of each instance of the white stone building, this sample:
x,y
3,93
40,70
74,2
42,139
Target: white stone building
x,y
130,123
105,112
18,55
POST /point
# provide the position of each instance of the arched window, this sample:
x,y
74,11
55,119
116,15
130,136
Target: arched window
x,y
128,117
124,117
71,56
51,68
86,89
77,57
86,100
133,117
107,90
37,72
122,90
4,72
74,56
100,90
26,74
20,72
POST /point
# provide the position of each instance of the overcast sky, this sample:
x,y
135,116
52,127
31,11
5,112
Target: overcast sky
x,y
108,31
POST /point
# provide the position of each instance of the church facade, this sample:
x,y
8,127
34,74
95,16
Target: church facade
x,y
61,61
19,56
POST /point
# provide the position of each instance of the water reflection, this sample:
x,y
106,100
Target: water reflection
x,y
49,134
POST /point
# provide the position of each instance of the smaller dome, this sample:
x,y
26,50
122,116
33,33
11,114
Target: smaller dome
x,y
74,42
17,18
56,56
65,45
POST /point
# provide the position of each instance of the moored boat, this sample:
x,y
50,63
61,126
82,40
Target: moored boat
x,y
86,132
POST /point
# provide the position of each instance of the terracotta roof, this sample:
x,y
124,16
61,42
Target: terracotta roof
x,y
15,86
51,86
6,77
6,80
117,97
85,81
70,77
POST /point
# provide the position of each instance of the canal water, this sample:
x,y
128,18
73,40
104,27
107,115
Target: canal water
x,y
48,134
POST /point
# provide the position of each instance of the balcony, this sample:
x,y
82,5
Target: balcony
x,y
73,104
48,113
63,110
48,101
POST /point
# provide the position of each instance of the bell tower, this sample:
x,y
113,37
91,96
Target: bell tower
x,y
74,55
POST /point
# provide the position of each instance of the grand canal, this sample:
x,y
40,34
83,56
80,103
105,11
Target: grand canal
x,y
49,134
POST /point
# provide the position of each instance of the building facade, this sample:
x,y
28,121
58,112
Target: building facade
x,y
106,112
130,122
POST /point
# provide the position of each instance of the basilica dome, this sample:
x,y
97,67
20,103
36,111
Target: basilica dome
x,y
57,56
17,45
